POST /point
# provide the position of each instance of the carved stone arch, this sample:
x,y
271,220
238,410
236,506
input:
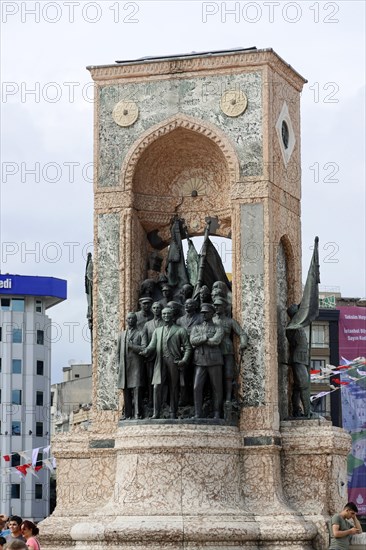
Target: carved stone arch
x,y
163,128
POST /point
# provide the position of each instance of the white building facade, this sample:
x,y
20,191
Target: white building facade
x,y
25,389
71,399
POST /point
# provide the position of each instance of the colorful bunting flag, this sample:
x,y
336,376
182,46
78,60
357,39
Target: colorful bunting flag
x,y
30,466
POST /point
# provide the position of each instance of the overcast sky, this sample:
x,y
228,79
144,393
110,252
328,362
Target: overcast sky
x,y
47,126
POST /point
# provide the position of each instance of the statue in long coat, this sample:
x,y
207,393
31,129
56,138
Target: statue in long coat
x,y
131,367
172,350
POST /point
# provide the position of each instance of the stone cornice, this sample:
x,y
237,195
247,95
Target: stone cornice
x,y
181,66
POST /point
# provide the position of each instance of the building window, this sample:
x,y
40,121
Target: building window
x,y
39,398
16,397
39,429
52,398
38,491
16,428
0,364
39,306
1,330
40,337
15,490
40,368
318,364
0,400
5,304
320,336
17,336
15,460
17,304
77,375
16,366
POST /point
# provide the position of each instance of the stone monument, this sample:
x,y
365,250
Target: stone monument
x,y
200,136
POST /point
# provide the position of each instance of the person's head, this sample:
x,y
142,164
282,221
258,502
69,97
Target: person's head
x,y
186,291
156,309
29,529
3,520
205,293
131,319
166,291
14,525
219,287
176,307
207,311
2,542
350,510
220,305
167,315
190,305
16,544
146,304
147,287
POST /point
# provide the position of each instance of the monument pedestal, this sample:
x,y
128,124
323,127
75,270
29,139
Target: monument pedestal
x,y
180,485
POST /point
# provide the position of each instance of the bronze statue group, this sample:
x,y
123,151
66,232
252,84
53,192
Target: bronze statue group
x,y
177,352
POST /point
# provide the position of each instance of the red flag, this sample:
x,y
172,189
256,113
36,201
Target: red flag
x,y
6,458
23,469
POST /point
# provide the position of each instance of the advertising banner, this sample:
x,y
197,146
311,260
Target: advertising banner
x,y
354,421
352,332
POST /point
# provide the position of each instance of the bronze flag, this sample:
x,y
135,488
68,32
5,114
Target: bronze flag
x,y
309,308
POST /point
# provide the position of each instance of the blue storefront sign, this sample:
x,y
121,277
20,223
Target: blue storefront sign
x,y
27,285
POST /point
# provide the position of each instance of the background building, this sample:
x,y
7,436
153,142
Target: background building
x,y
338,334
25,383
71,399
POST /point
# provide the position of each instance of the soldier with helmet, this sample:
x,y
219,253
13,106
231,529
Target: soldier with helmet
x,y
206,339
230,326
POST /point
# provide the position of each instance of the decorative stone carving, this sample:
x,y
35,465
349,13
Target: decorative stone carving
x,y
285,133
233,103
125,113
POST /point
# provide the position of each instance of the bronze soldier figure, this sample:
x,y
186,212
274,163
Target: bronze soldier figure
x,y
206,339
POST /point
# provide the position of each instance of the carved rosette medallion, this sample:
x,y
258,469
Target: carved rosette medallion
x,y
193,187
233,103
194,182
125,113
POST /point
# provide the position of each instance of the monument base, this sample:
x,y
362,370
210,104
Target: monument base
x,y
180,485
